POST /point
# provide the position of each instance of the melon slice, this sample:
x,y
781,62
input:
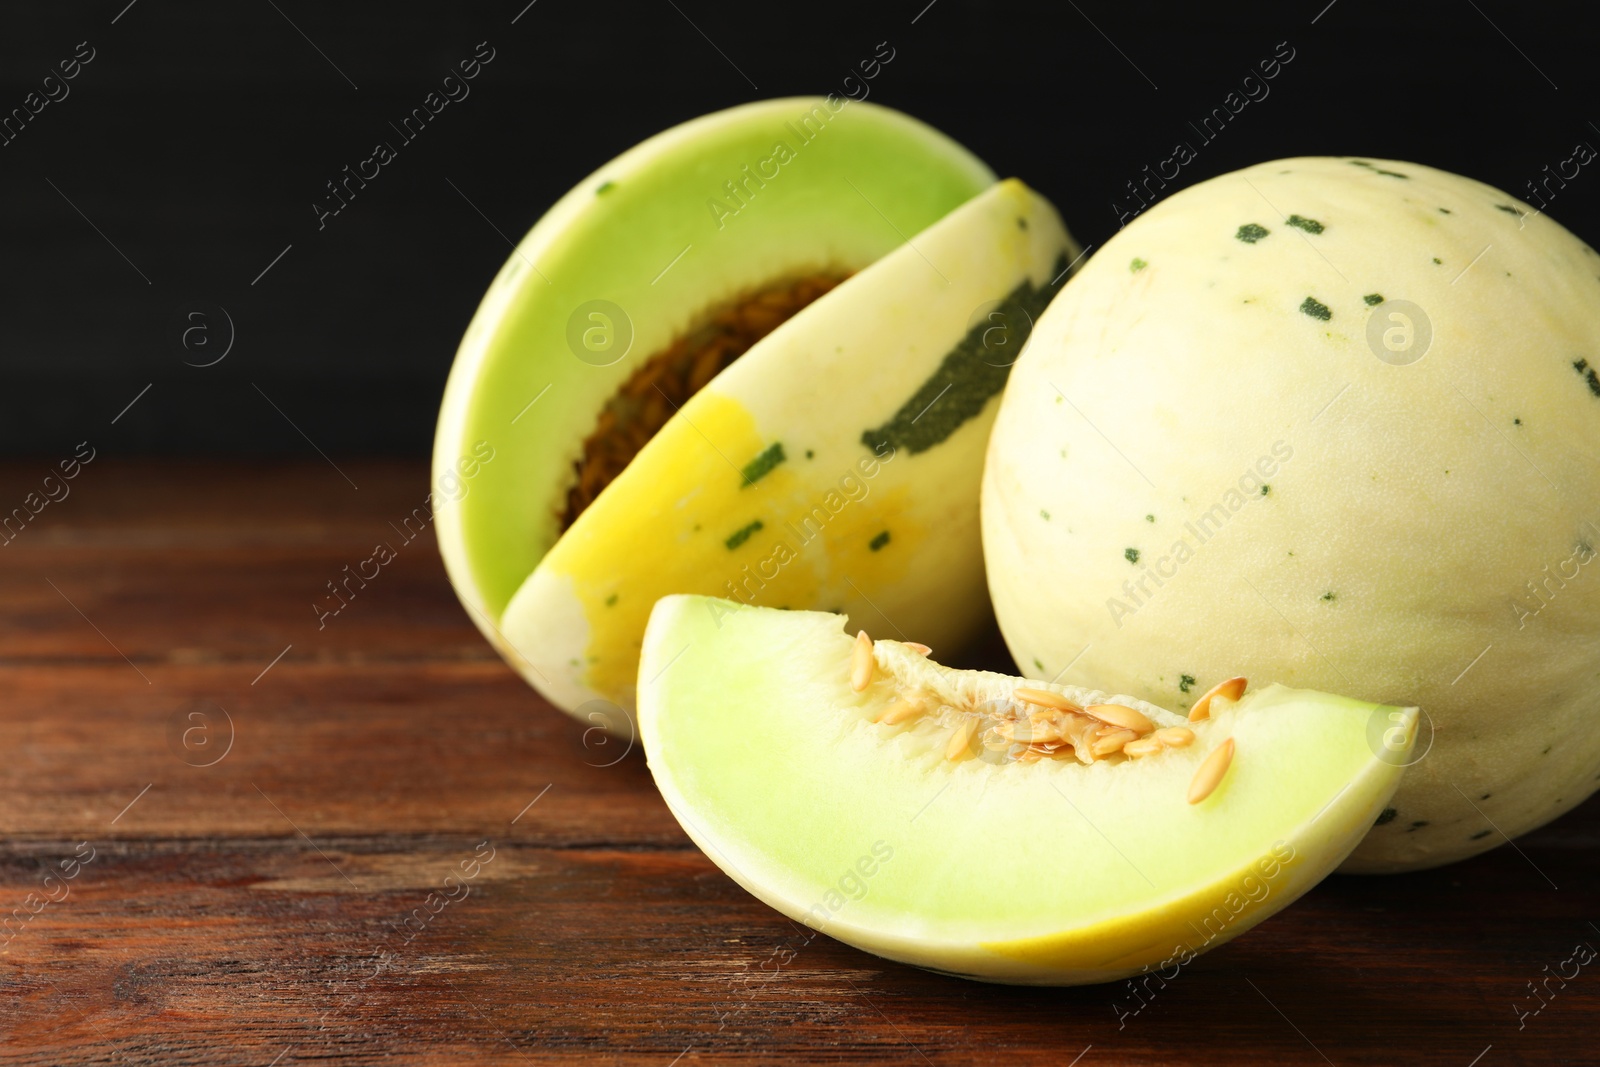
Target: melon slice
x,y
835,464
934,818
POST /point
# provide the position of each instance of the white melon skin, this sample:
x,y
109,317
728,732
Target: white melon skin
x,y
1425,497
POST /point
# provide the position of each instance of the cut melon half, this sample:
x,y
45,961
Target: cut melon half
x,y
835,464
936,818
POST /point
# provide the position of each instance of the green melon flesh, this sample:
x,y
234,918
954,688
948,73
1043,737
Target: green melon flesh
x,y
1051,872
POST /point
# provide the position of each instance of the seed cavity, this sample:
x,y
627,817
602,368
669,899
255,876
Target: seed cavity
x,y
1046,698
1232,689
1029,723
900,711
960,739
1175,736
667,379
1121,715
861,662
1210,774
1112,742
1144,746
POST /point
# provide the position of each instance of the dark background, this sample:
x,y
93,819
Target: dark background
x,y
199,136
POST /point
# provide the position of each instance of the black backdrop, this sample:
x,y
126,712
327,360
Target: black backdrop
x,y
187,152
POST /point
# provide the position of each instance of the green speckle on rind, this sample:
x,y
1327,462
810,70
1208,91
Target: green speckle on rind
x,y
739,537
879,541
1300,222
1131,555
1137,265
1588,374
1251,232
762,465
604,187
1184,682
1372,300
965,381
611,600
1378,170
1037,664
1316,309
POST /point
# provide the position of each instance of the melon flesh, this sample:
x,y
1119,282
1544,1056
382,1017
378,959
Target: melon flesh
x,y
1052,872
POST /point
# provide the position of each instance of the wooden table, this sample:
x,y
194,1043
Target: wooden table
x,y
254,910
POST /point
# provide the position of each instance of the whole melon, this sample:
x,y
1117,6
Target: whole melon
x,y
1333,423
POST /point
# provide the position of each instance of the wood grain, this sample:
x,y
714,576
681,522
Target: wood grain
x,y
255,911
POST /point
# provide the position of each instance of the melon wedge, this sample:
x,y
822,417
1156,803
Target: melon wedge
x,y
986,866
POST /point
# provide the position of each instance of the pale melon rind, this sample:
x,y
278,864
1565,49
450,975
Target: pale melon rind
x,y
1204,416
1051,873
883,530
